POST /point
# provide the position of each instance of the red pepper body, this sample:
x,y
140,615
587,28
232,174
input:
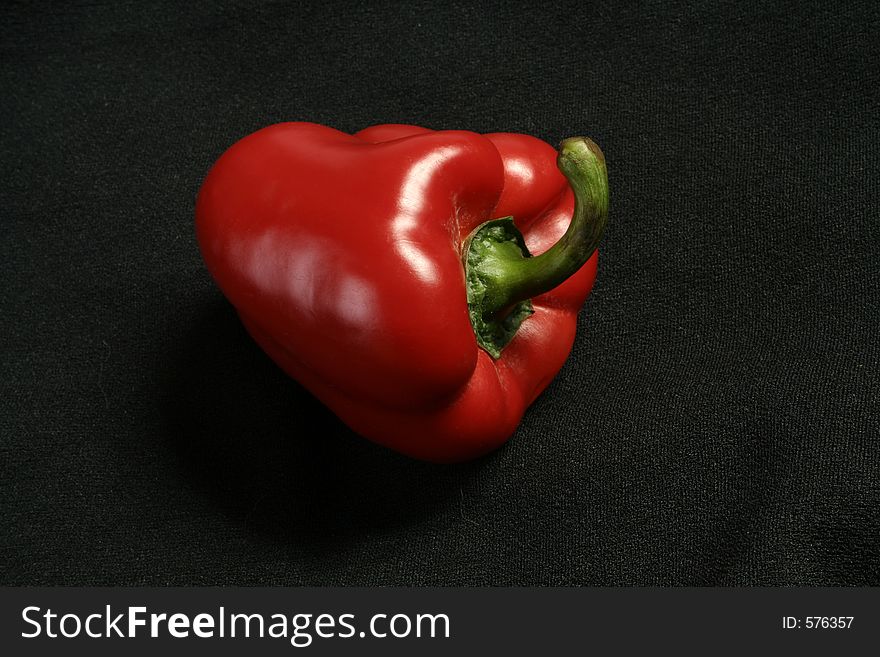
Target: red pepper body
x,y
342,255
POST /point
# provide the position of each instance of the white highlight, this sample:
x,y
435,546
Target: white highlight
x,y
411,204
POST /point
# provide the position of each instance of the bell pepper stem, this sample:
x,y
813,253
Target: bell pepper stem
x,y
501,274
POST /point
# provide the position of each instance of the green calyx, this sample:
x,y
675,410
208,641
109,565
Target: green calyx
x,y
488,249
502,276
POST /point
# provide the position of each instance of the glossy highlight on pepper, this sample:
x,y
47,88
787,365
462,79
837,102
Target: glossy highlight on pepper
x,y
424,285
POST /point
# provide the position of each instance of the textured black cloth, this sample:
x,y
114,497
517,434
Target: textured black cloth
x,y
716,423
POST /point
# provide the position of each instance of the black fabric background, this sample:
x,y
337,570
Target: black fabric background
x,y
716,423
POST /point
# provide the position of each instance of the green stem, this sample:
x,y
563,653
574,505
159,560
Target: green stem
x,y
501,274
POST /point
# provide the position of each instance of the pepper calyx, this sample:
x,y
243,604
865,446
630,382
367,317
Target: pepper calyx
x,y
487,250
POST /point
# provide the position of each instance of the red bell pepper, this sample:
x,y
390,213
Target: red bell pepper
x,y
383,271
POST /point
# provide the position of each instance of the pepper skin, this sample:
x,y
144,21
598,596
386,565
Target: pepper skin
x,y
343,255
